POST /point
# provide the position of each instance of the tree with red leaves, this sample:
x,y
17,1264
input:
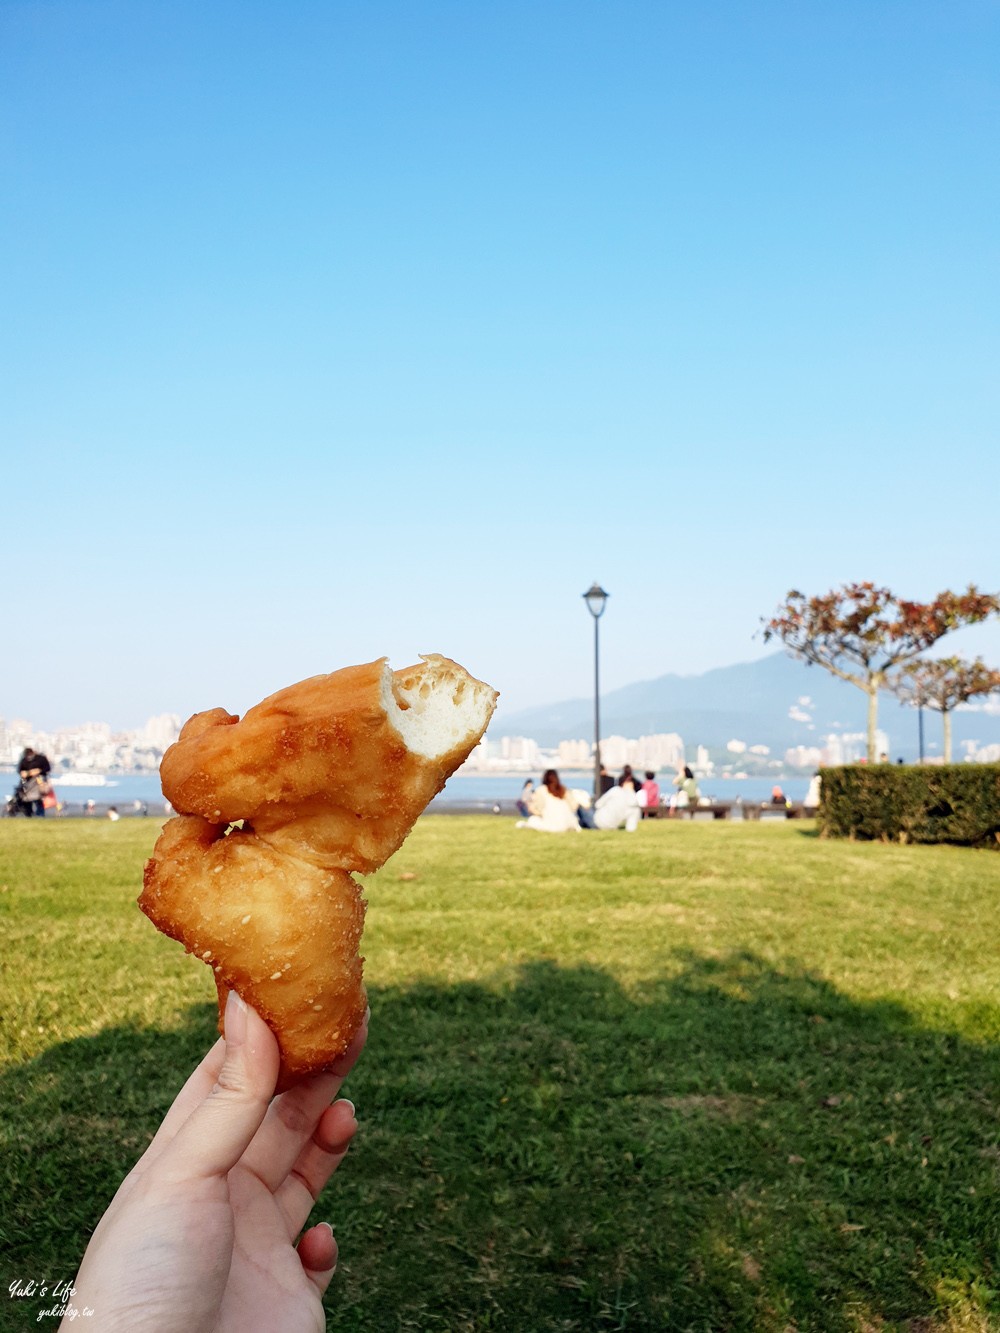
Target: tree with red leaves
x,y
942,684
861,633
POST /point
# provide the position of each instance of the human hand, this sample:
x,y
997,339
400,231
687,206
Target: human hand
x,y
201,1234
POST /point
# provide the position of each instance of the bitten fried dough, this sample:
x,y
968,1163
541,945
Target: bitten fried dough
x,y
321,779
280,931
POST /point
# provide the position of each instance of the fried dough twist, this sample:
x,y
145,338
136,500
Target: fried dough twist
x,y
321,779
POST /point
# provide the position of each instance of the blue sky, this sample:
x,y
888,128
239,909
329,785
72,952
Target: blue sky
x,y
341,329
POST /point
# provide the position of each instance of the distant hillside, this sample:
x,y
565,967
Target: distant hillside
x,y
777,701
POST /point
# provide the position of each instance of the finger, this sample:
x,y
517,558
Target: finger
x,y
216,1133
318,1253
292,1118
315,1165
199,1084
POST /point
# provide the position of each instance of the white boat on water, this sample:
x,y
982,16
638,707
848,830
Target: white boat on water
x,y
80,780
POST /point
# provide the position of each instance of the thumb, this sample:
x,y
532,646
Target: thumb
x,y
218,1131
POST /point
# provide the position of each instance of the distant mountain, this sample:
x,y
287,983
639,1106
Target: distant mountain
x,y
777,701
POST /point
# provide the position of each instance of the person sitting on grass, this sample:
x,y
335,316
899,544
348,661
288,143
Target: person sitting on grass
x,y
618,808
202,1232
552,809
580,802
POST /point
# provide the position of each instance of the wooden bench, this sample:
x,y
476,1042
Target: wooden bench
x,y
716,810
765,810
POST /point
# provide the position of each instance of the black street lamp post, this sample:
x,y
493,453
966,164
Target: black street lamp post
x,y
596,599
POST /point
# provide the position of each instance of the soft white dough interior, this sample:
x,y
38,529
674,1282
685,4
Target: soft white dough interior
x,y
438,707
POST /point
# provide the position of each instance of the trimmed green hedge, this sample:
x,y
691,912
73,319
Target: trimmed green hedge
x,y
957,803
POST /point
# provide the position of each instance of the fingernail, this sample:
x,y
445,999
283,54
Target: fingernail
x,y
336,1256
346,1101
235,1021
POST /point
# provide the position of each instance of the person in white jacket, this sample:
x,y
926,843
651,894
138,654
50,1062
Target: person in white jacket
x,y
618,808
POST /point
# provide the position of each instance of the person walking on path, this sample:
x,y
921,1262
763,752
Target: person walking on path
x,y
34,770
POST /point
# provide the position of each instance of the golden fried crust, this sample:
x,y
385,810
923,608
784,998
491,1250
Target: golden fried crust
x,y
281,932
328,776
317,769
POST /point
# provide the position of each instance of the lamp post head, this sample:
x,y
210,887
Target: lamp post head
x,y
596,599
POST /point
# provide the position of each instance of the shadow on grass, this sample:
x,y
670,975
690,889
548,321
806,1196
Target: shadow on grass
x,y
734,1147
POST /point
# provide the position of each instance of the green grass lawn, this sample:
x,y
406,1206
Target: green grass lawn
x,y
705,1077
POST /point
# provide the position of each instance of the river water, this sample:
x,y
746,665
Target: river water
x,y
123,789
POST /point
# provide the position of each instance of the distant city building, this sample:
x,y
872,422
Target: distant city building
x,y
14,736
92,747
519,750
804,756
574,754
851,747
517,754
160,732
615,751
663,750
480,755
